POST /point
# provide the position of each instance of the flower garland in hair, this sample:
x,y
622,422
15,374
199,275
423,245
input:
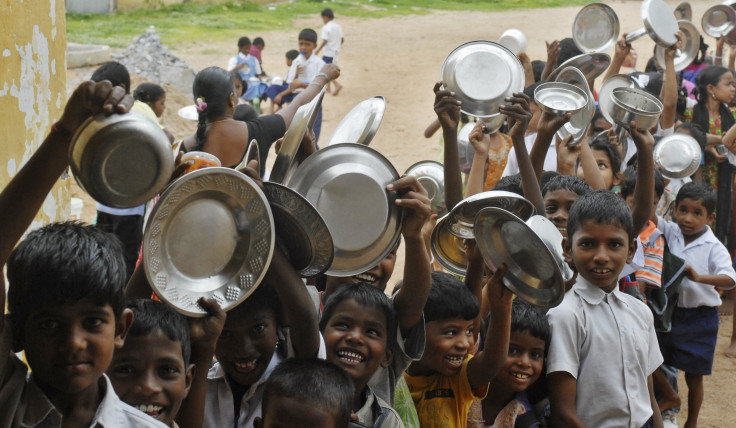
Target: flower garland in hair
x,y
201,105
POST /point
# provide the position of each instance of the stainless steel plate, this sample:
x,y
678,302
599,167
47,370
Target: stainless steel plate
x,y
677,155
659,22
718,20
690,47
300,231
560,98
683,11
482,74
210,235
448,249
431,175
285,162
461,218
552,238
595,28
347,184
189,112
591,65
361,123
604,94
533,273
580,121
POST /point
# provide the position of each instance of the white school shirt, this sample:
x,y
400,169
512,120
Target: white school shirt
x,y
550,159
332,32
707,255
233,61
631,148
608,343
312,66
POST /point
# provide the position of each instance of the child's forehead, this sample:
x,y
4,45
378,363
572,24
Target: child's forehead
x,y
354,308
80,308
155,341
458,320
694,202
592,226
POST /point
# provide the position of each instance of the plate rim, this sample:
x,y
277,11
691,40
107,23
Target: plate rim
x,y
613,19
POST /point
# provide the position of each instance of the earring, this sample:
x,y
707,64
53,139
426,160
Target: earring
x,y
713,95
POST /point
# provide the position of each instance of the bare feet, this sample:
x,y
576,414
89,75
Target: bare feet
x,y
731,351
669,403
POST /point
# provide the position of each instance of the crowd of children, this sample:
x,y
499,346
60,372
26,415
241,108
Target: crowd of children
x,y
441,351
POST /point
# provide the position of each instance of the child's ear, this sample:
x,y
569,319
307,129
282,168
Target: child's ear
x,y
616,178
188,380
712,217
387,358
632,250
121,330
567,249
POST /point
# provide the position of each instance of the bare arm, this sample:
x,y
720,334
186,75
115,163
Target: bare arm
x,y
644,188
314,88
324,42
528,71
553,51
723,282
474,281
485,364
562,388
481,143
619,56
410,299
589,165
548,126
656,414
669,86
447,108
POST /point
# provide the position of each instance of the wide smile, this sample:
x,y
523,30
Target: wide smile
x,y
366,277
152,410
245,366
455,360
350,357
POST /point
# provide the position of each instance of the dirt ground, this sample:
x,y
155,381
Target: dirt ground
x,y
400,58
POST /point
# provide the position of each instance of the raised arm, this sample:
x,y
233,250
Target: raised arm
x,y
548,126
481,143
328,72
669,86
620,53
485,364
590,168
23,196
410,299
641,211
447,108
553,51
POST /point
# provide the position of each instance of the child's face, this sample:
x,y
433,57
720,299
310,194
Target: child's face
x,y
307,47
610,177
356,340
245,50
692,217
524,362
557,205
69,346
246,344
725,90
149,374
289,61
599,253
286,412
377,276
238,87
448,343
159,106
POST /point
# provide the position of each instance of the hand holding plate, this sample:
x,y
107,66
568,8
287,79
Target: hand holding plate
x,y
480,141
447,107
622,48
567,155
331,70
205,331
499,296
251,171
91,98
553,51
417,206
550,123
642,138
519,114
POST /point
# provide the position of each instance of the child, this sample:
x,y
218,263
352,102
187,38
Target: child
x,y
255,50
559,194
507,400
278,86
332,40
65,295
690,344
150,99
240,86
248,67
359,326
448,378
307,393
597,326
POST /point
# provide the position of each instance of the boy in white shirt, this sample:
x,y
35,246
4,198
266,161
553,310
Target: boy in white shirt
x,y
332,40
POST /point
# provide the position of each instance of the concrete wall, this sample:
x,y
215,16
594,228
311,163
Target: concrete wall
x,y
32,89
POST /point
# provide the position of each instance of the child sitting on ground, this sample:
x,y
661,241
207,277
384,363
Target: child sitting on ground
x,y
307,393
507,399
359,326
448,378
690,345
278,85
597,326
65,295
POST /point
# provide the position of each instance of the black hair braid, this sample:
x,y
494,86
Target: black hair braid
x,y
201,137
212,88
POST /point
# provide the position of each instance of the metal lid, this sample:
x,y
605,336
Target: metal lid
x,y
595,28
361,123
209,235
346,183
461,218
482,74
677,155
533,272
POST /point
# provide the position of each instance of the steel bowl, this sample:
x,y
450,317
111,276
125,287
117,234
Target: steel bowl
x,y
121,160
608,85
595,28
560,98
431,175
629,104
461,217
513,40
580,121
677,155
659,23
684,11
448,249
718,20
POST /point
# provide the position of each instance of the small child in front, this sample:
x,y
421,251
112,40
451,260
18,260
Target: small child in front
x,y
604,347
448,378
691,343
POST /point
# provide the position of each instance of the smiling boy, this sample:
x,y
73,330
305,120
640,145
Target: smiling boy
x,y
604,348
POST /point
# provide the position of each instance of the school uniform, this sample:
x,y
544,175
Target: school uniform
x,y
332,32
550,159
251,70
375,409
607,342
24,404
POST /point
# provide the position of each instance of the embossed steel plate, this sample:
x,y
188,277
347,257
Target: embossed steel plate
x,y
210,235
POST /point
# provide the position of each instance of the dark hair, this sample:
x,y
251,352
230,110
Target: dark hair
x,y
449,298
651,65
710,75
234,75
698,191
598,115
150,316
243,41
629,182
526,317
566,182
602,144
292,54
538,69
365,295
696,132
63,263
546,177
214,86
316,382
308,34
510,183
245,113
529,90
258,41
263,297
654,81
115,72
148,92
568,49
327,13
600,207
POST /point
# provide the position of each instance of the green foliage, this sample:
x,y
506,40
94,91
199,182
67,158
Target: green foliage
x,y
189,21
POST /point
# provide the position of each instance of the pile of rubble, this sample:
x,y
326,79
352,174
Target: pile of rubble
x,y
147,57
